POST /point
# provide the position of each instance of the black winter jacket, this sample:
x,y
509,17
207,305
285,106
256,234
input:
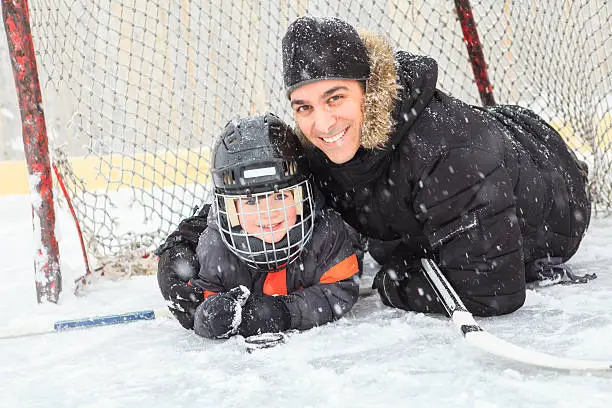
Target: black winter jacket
x,y
492,194
320,286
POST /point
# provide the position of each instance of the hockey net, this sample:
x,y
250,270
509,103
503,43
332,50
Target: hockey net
x,y
134,91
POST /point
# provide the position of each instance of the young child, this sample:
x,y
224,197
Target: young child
x,y
271,258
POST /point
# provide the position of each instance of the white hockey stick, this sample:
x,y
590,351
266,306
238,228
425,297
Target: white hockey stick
x,y
476,336
36,326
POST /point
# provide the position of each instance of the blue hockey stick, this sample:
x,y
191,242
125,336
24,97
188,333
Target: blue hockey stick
x,y
33,326
42,325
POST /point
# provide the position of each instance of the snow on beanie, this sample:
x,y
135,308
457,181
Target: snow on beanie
x,y
322,48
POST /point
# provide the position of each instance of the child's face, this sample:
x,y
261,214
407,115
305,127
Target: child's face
x,y
267,216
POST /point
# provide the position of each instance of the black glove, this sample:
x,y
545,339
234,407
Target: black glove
x,y
264,314
405,287
220,315
176,266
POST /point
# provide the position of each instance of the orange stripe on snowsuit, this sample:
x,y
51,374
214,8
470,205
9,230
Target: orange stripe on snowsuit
x,y
276,283
341,271
206,293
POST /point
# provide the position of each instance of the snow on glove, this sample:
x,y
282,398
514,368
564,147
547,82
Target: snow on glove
x,y
220,315
175,268
264,314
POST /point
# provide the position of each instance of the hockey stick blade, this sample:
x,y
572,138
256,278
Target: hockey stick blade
x,y
477,337
269,340
39,326
264,340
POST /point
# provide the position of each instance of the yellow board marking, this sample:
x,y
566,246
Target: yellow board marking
x,y
574,142
13,177
139,171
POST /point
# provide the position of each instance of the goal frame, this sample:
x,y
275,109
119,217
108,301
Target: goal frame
x,y
48,277
36,145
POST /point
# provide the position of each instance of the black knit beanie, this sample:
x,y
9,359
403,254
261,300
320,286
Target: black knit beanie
x,y
322,48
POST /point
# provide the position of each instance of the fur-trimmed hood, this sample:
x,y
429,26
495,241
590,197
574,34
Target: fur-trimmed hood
x,y
381,92
394,77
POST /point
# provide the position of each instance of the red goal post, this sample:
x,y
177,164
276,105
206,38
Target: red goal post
x,y
135,90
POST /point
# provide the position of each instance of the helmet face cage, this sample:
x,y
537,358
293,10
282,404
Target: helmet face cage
x,y
267,230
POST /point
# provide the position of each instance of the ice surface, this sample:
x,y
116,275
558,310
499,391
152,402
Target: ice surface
x,y
375,357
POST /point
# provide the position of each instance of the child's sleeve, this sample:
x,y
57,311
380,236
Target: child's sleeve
x,y
178,264
331,270
213,276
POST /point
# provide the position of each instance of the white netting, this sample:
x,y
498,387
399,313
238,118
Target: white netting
x,y
137,89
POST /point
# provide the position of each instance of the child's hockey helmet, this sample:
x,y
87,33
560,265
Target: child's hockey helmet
x,y
255,158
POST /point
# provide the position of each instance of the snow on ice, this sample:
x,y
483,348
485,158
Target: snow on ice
x,y
375,357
